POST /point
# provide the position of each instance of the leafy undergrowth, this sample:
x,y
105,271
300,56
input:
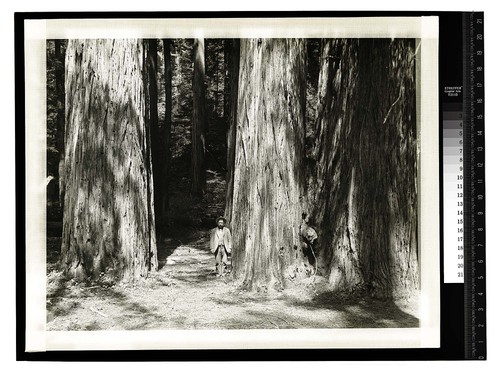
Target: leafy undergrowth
x,y
186,294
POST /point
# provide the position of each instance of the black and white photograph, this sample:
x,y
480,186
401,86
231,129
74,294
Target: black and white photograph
x,y
200,182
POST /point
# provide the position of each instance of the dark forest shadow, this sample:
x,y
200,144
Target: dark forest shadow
x,y
179,236
325,310
361,312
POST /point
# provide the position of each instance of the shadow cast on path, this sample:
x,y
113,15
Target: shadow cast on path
x,y
361,312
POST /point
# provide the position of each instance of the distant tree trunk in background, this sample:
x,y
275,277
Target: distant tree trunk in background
x,y
233,62
216,92
157,152
108,205
364,195
198,132
59,79
228,62
182,80
268,174
167,128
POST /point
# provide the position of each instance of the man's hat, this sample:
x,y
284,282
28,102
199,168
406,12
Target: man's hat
x,y
221,218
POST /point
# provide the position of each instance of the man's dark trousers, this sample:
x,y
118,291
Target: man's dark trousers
x,y
220,259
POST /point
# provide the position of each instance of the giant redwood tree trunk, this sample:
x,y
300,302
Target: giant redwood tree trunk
x,y
333,206
268,174
108,205
198,131
364,203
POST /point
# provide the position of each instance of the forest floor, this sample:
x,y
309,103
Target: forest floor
x,y
185,293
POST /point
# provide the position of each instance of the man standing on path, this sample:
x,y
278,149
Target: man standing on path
x,y
220,245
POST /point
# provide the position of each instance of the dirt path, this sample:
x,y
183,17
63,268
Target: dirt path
x,y
186,294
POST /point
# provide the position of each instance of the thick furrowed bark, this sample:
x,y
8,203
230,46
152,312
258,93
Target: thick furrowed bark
x,y
363,198
268,176
108,215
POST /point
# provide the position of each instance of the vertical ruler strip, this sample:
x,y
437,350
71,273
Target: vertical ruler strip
x,y
474,236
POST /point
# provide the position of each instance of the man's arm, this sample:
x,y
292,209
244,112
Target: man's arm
x,y
212,241
229,240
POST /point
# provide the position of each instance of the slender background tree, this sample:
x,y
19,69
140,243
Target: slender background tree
x,y
166,133
56,50
59,80
199,124
157,150
232,55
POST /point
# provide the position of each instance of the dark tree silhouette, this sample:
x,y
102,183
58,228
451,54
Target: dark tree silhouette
x,y
233,57
166,134
157,150
59,80
198,133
